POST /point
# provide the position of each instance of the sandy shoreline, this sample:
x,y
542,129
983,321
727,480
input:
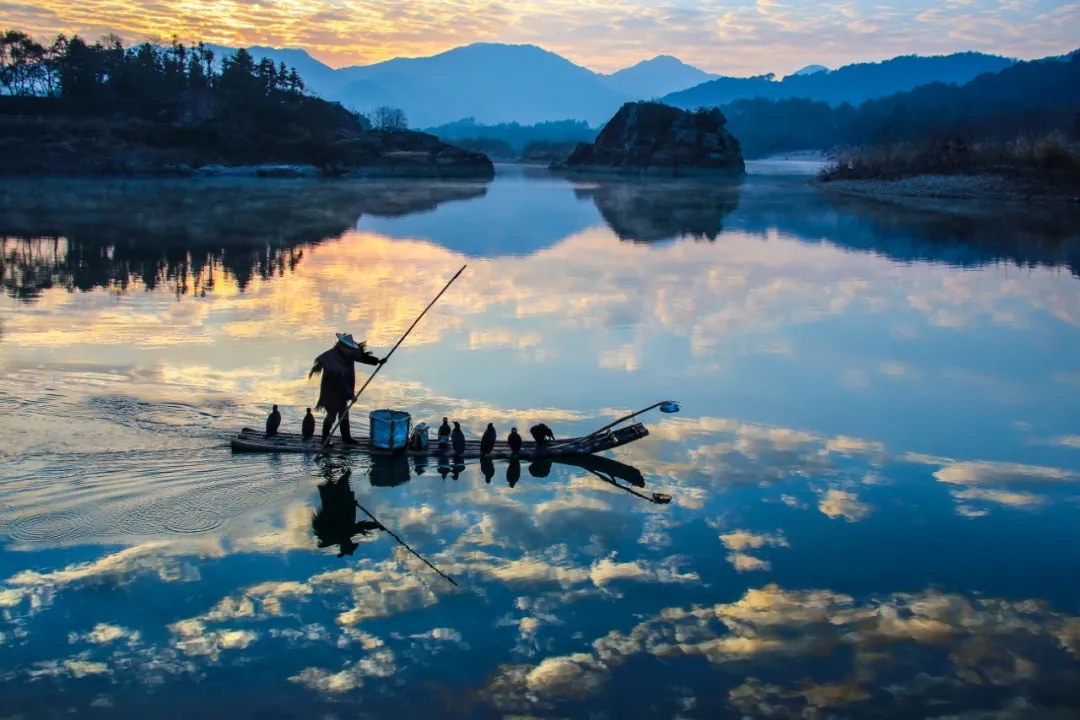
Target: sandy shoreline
x,y
974,187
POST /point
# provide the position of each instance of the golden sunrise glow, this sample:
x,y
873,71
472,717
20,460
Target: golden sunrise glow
x,y
738,38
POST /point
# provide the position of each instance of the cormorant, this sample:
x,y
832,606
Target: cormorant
x,y
444,434
457,438
541,434
487,443
339,382
308,427
273,422
514,441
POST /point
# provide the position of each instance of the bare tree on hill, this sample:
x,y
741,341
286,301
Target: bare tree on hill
x,y
388,118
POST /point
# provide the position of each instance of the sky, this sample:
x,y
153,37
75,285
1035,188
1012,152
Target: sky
x,y
733,37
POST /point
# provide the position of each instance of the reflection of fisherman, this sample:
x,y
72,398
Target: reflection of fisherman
x,y
339,382
335,523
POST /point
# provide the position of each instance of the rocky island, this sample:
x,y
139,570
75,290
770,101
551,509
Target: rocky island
x,y
103,110
649,138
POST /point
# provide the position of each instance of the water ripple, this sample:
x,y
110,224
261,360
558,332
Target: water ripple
x,y
48,526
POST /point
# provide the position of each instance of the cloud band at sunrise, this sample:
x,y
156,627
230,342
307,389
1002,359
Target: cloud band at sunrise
x,y
735,37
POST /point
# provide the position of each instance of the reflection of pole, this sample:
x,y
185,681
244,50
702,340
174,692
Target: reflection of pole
x,y
658,498
405,545
380,365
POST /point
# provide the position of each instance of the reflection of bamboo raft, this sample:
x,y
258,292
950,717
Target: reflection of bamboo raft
x,y
255,441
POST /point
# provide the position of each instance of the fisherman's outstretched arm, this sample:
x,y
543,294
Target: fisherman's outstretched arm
x,y
361,355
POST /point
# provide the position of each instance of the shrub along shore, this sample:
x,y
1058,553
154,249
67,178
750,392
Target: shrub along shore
x,y
1026,168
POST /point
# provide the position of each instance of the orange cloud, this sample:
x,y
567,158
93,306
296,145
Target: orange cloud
x,y
605,35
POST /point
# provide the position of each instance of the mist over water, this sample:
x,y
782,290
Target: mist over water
x,y
875,476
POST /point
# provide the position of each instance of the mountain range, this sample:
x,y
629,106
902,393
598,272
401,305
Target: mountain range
x,y
496,83
853,84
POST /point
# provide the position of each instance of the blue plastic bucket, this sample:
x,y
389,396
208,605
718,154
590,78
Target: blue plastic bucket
x,y
389,429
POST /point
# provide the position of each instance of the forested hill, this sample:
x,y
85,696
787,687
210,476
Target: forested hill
x,y
76,108
1027,98
852,84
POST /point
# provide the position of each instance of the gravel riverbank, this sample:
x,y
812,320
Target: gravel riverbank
x,y
976,187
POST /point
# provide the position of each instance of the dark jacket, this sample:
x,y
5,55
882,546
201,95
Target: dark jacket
x,y
338,375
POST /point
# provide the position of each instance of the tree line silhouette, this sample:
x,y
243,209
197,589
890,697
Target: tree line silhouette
x,y
177,101
513,136
142,77
1028,98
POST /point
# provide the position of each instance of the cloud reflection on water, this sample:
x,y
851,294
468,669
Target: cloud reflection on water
x,y
568,583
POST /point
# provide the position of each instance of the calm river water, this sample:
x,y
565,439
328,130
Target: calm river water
x,y
875,476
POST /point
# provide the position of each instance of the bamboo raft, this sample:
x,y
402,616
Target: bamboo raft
x,y
255,441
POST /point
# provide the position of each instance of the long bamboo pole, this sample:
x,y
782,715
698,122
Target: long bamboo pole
x,y
559,443
379,367
627,417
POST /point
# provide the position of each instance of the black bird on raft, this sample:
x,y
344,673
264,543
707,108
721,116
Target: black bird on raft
x,y
308,427
444,433
541,434
457,439
273,422
514,441
487,443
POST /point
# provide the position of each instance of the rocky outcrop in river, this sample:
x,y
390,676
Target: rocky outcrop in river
x,y
649,138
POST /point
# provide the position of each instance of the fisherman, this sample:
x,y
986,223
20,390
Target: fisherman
x,y
338,385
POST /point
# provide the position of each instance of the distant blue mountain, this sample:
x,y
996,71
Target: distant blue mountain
x,y
811,70
654,78
852,84
495,83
